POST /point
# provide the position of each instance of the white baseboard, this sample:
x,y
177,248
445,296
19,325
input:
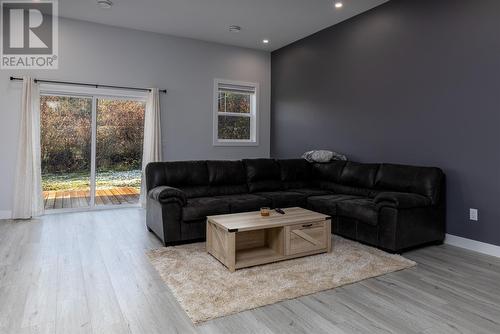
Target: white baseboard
x,y
477,246
5,214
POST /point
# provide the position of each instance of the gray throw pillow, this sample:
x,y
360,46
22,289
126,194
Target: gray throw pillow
x,y
322,156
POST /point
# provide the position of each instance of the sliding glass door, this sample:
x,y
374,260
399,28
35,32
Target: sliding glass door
x,y
120,129
91,150
66,140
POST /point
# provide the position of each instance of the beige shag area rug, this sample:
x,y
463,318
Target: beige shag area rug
x,y
206,289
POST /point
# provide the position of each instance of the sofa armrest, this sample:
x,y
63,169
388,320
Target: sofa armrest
x,y
166,194
401,200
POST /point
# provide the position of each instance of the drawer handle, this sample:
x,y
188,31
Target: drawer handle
x,y
307,225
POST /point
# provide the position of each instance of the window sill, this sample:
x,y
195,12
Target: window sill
x,y
235,143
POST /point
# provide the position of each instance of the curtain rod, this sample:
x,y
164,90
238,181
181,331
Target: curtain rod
x,y
88,84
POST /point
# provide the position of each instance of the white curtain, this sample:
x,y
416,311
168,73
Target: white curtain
x,y
151,151
28,198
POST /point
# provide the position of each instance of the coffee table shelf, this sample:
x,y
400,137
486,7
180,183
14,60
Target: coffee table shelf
x,y
253,256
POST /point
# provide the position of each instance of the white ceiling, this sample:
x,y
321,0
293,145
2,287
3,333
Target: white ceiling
x,y
280,21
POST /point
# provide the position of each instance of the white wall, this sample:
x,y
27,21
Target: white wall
x,y
185,67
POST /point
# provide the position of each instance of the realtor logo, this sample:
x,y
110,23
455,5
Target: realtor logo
x,y
29,34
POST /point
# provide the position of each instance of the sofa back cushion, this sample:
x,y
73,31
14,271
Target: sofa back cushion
x,y
189,176
262,174
155,175
227,177
360,175
330,171
295,173
345,177
426,181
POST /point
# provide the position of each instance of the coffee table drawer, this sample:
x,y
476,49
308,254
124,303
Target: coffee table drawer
x,y
303,238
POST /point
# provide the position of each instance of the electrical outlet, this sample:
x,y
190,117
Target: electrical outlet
x,y
473,214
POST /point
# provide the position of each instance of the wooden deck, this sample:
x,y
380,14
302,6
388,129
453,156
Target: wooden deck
x,y
68,199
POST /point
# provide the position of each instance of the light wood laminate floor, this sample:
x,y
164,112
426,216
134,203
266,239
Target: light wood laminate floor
x,y
88,273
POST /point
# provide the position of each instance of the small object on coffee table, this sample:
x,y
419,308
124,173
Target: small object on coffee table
x,y
278,210
264,212
241,240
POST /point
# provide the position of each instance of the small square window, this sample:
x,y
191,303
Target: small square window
x,y
235,113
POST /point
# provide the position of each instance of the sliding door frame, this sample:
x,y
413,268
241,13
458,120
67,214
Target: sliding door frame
x,y
93,146
95,95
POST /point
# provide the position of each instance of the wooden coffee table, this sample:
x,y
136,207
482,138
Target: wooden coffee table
x,y
247,239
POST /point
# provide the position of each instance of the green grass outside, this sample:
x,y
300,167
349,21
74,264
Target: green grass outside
x,y
81,180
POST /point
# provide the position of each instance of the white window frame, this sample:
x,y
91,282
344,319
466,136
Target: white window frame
x,y
254,115
94,94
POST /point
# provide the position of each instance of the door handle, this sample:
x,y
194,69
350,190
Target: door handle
x,y
307,225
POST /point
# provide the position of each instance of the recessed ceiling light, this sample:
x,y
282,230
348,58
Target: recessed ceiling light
x,y
339,4
265,41
234,28
104,4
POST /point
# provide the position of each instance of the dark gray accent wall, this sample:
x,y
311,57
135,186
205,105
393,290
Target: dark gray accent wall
x,y
411,81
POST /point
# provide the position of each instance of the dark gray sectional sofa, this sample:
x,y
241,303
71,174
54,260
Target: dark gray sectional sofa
x,y
393,207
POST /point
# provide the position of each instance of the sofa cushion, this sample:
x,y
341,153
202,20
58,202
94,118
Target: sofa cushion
x,y
229,189
186,173
196,191
155,175
327,204
357,174
310,191
245,202
189,176
284,199
426,181
295,173
347,190
362,209
262,174
401,200
330,171
201,207
226,177
226,172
